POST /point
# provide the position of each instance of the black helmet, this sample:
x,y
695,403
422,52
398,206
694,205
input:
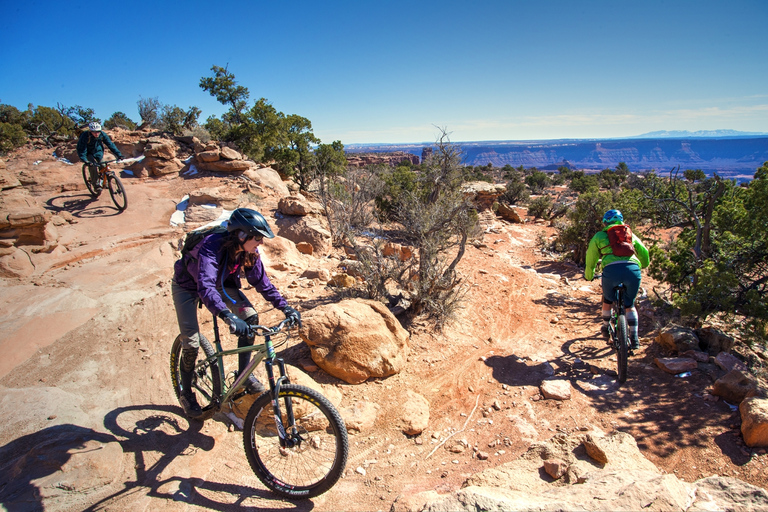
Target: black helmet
x,y
251,222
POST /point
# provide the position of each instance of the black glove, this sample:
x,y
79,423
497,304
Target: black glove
x,y
292,315
236,325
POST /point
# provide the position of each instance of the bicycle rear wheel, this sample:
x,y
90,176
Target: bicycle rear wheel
x,y
206,381
315,461
117,191
622,347
87,180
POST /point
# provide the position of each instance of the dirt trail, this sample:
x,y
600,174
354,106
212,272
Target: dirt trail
x,y
87,339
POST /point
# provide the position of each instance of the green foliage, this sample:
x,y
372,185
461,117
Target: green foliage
x,y
540,206
719,262
46,122
537,181
583,183
217,128
478,173
260,135
174,119
295,158
12,136
11,115
224,88
612,179
398,182
119,120
517,191
584,220
80,115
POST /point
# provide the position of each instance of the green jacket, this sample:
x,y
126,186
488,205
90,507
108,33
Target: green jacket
x,y
92,148
600,247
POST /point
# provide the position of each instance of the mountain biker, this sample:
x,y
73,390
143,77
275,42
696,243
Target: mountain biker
x,y
90,149
617,270
210,273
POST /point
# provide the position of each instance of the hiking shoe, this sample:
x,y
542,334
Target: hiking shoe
x,y
634,344
189,403
605,333
253,386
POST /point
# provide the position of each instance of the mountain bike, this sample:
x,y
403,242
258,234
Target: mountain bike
x,y
294,438
619,331
106,179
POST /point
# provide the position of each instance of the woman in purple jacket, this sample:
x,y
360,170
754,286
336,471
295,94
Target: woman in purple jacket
x,y
210,273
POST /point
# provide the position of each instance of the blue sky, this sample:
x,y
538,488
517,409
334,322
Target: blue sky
x,y
385,72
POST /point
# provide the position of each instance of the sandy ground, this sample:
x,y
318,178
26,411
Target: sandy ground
x,y
87,337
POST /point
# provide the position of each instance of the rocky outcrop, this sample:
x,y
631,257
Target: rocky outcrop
x,y
482,193
391,159
305,227
611,474
355,340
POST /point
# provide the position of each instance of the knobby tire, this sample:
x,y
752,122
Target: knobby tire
x,y
316,463
87,180
117,192
622,347
206,381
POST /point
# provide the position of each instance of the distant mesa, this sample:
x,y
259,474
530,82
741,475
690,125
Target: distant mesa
x,y
729,153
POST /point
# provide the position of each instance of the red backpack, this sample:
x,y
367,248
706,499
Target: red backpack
x,y
620,238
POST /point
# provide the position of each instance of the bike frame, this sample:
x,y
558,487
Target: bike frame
x,y
261,351
618,306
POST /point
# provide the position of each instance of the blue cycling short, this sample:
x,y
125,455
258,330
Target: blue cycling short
x,y
627,272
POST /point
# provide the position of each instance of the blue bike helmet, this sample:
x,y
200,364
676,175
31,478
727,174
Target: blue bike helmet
x,y
612,216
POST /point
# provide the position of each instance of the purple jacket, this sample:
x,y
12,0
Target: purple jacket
x,y
202,273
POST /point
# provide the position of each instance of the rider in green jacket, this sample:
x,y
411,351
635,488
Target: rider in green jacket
x,y
617,270
90,149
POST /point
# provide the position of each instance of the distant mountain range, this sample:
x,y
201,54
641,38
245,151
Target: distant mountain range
x,y
729,153
684,134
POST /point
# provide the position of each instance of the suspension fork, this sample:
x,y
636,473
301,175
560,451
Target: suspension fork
x,y
286,440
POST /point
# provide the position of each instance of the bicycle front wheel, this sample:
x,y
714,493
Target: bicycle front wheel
x,y
622,347
117,192
314,455
87,180
206,381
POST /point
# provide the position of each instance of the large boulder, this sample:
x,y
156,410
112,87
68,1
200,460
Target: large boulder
x,y
714,341
281,254
678,339
226,196
225,165
735,385
311,229
754,421
482,193
510,213
268,180
355,340
299,205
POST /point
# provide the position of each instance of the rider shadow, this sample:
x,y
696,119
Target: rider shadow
x,y
514,371
144,429
28,460
80,206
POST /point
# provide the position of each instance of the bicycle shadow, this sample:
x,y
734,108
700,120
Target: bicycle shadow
x,y
29,459
144,429
81,206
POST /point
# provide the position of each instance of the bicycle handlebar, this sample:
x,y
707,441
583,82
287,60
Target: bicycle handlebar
x,y
262,330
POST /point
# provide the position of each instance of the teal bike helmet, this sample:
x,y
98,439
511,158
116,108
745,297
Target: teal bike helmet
x,y
612,217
